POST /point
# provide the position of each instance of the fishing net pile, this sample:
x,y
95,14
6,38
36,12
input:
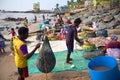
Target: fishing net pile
x,y
46,60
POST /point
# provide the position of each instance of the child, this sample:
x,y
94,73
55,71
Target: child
x,y
2,44
12,32
25,23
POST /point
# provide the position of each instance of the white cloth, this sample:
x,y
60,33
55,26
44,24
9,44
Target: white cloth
x,y
94,27
115,52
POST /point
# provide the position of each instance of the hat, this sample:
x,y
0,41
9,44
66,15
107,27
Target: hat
x,y
114,37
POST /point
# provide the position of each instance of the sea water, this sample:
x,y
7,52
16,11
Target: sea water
x,y
14,24
5,26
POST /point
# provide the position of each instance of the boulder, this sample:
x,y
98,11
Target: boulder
x,y
107,19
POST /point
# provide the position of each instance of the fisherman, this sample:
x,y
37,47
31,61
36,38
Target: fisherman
x,y
70,36
21,52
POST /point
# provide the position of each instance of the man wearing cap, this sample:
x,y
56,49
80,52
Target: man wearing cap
x,y
70,36
113,47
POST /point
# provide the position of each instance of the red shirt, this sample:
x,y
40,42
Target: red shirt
x,y
112,44
13,33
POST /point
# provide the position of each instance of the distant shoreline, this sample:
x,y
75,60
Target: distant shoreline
x,y
31,11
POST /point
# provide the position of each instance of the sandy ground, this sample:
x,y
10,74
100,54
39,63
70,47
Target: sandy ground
x,y
8,69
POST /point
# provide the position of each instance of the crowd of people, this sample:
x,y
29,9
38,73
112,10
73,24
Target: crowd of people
x,y
69,32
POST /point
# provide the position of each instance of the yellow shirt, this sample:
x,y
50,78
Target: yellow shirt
x,y
20,60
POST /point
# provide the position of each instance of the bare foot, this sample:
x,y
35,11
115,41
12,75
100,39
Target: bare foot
x,y
68,62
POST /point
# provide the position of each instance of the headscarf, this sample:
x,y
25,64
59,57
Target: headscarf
x,y
114,37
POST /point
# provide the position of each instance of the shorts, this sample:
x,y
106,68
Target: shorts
x,y
69,48
23,72
2,44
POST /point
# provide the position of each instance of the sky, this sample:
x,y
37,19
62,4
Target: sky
x,y
25,5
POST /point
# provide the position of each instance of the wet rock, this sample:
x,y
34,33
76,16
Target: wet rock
x,y
117,17
96,12
13,19
102,26
114,24
87,14
116,32
117,27
107,19
115,11
105,10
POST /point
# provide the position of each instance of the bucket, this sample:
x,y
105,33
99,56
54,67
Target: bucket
x,y
104,68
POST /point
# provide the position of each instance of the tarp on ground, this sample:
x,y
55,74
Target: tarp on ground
x,y
78,60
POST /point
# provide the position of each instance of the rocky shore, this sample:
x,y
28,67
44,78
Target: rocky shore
x,y
105,18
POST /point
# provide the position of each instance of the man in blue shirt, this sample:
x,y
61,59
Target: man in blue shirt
x,y
71,35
